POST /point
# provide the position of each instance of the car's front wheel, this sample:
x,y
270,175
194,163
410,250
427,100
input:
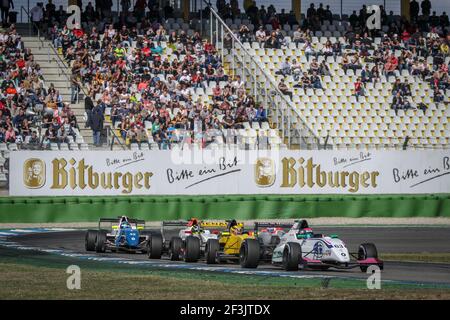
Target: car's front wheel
x,y
366,251
291,256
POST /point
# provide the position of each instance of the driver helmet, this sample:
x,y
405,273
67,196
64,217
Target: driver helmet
x,y
306,231
193,222
124,222
236,229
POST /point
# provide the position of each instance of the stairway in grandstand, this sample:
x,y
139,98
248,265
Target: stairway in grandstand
x,y
369,122
55,71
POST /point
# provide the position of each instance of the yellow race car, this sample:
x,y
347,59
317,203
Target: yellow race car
x,y
234,245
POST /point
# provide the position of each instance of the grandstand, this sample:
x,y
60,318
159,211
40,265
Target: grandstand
x,y
321,81
368,121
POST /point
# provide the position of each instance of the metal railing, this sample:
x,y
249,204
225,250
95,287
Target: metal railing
x,y
111,137
280,109
61,64
22,10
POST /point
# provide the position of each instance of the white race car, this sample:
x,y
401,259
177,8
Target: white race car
x,y
295,245
189,244
300,246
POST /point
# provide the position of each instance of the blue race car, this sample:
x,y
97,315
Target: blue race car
x,y
125,234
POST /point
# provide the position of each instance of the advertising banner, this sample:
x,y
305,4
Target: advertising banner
x,y
103,173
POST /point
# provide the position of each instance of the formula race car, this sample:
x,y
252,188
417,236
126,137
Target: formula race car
x,y
125,234
190,242
234,245
300,246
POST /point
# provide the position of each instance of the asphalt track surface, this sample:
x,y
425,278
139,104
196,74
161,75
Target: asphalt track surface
x,y
387,239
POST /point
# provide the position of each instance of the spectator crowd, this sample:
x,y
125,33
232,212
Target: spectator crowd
x,y
32,114
153,84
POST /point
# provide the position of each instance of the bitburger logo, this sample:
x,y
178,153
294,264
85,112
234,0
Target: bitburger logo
x,y
34,173
264,172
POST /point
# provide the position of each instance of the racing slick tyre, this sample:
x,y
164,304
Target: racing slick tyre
x,y
89,241
100,242
291,256
175,247
365,251
211,250
192,249
249,253
154,246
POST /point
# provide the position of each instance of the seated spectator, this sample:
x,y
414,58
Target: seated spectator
x,y
34,140
261,36
10,135
261,115
375,74
217,93
359,88
284,88
355,63
324,70
328,49
296,68
314,66
62,135
337,50
399,102
285,68
244,33
390,65
305,83
309,50
298,36
273,41
197,80
366,75
315,81
438,96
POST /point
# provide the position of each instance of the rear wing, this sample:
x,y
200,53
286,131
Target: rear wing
x,y
212,224
176,223
261,225
203,224
140,224
130,220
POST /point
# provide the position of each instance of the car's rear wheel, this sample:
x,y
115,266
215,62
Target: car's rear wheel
x,y
192,249
89,241
100,242
366,251
249,253
291,256
211,251
175,248
154,246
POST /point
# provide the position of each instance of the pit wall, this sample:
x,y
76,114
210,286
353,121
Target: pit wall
x,y
154,208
